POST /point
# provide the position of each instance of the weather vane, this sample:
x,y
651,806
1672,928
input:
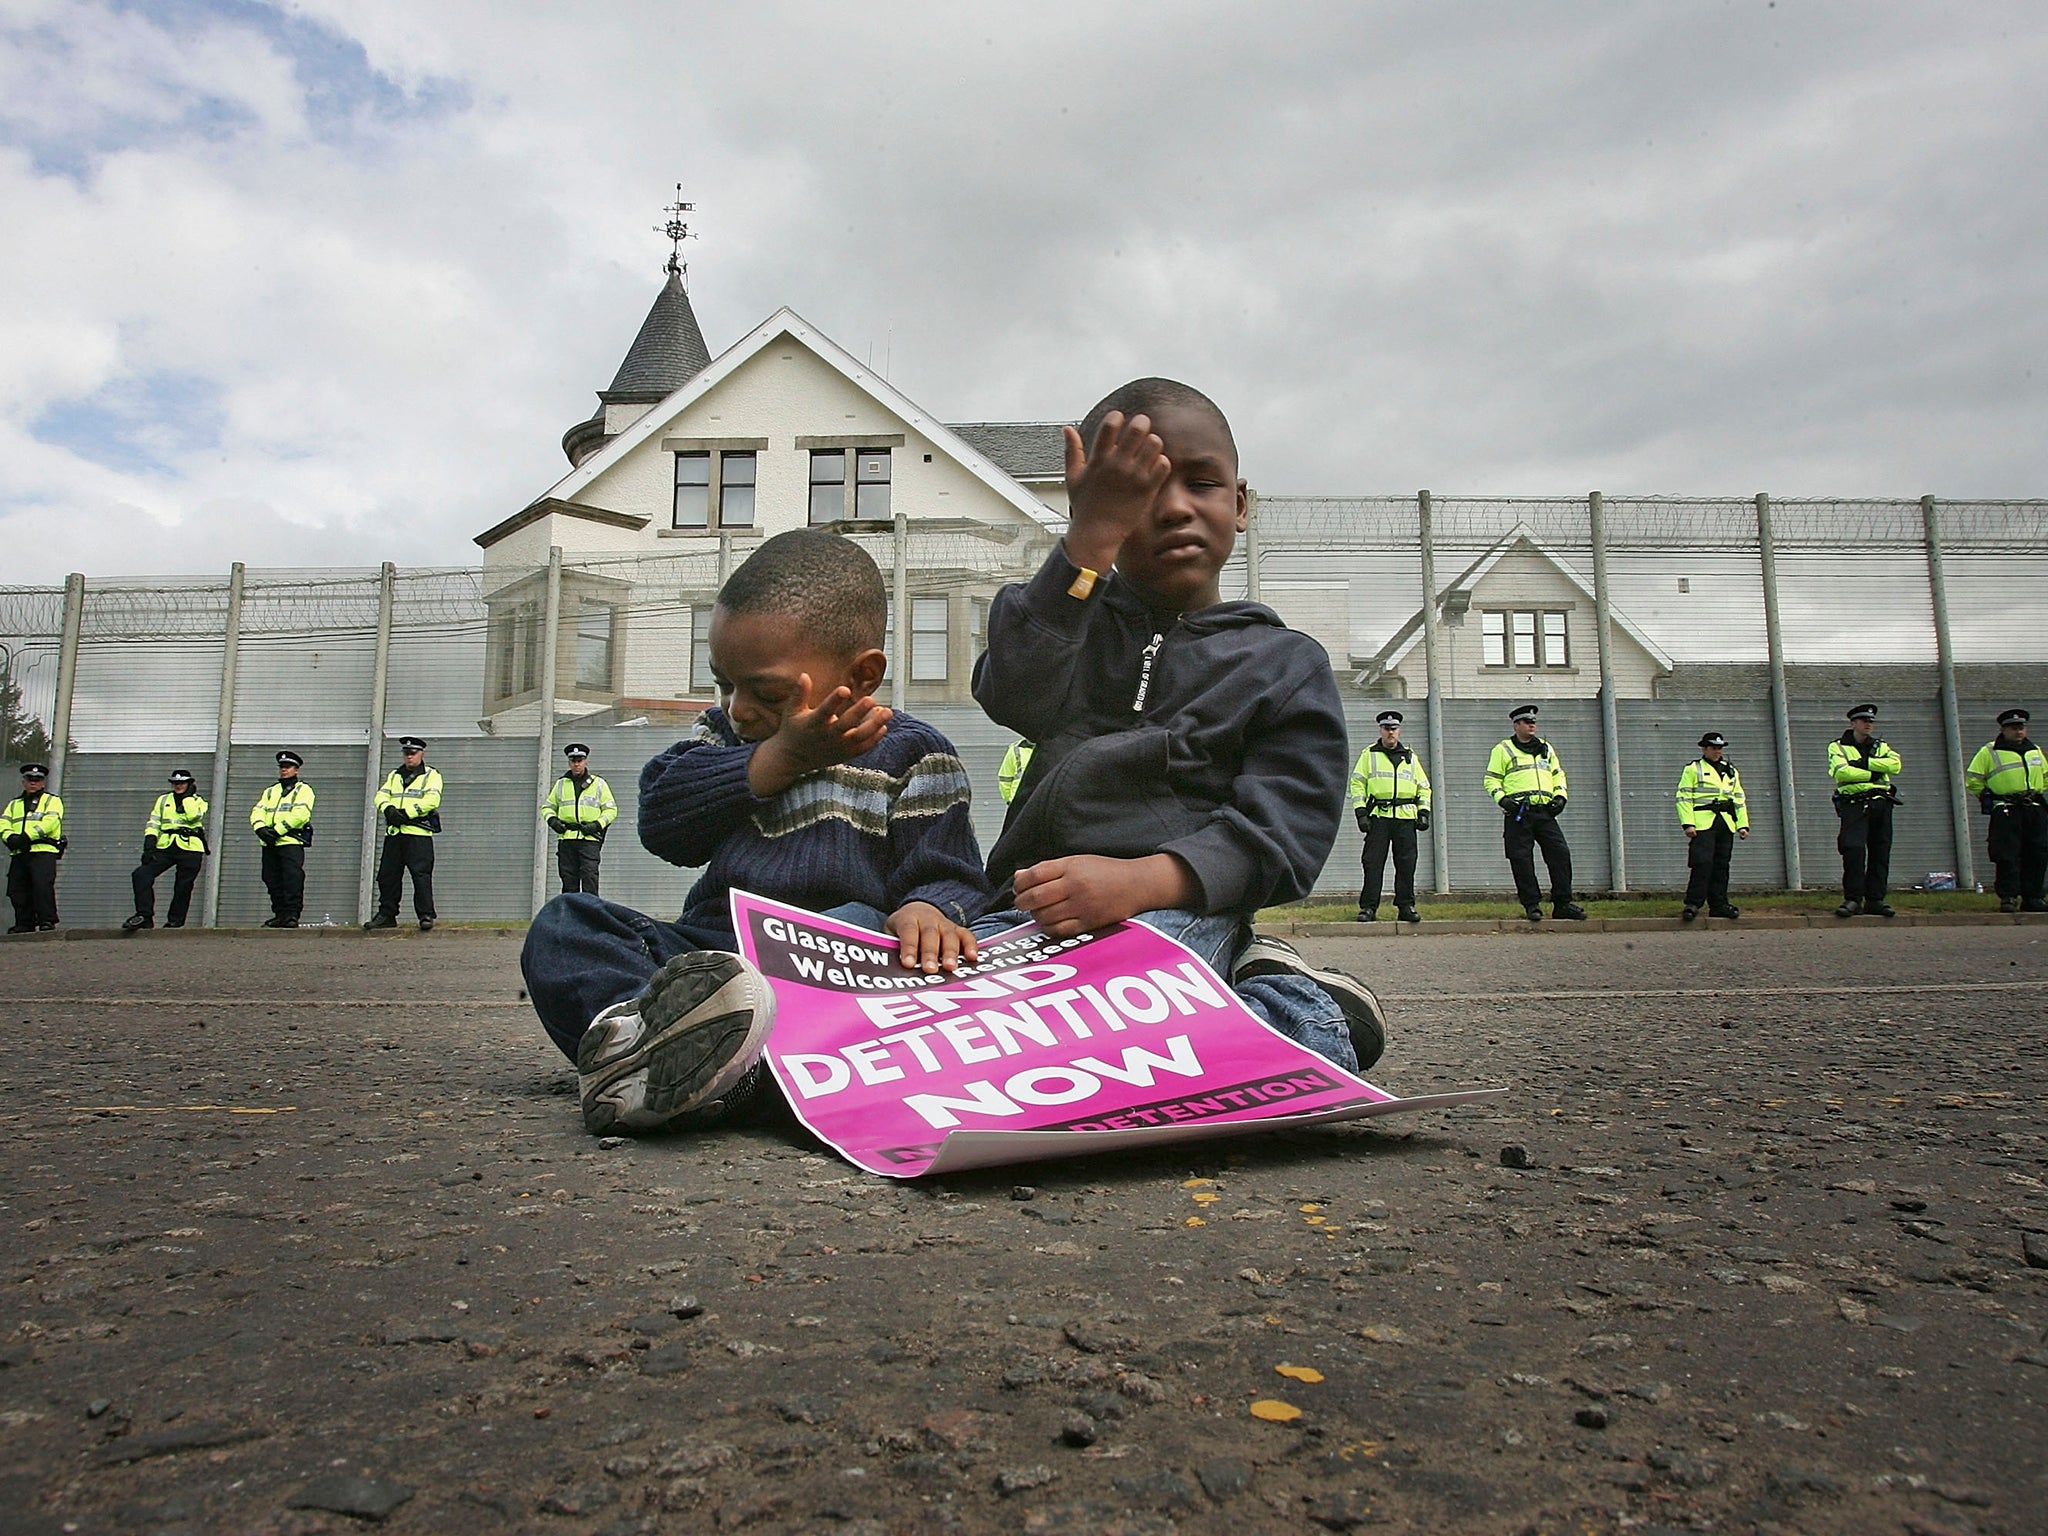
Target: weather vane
x,y
677,230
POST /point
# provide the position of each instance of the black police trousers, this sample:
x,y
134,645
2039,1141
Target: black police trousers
x,y
32,887
1865,843
1708,855
2019,848
284,876
143,879
1382,835
404,853
1522,835
576,858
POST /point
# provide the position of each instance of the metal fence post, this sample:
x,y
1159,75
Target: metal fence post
x,y
724,556
1781,708
1610,732
1251,546
1951,719
899,674
544,765
366,884
1439,824
223,746
67,678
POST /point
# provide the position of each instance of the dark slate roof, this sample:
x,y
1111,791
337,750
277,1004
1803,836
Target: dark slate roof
x,y
1023,450
666,355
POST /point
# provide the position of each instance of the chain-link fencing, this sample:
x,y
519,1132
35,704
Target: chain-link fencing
x,y
1636,625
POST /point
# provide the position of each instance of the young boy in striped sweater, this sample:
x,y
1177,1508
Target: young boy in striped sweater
x,y
800,787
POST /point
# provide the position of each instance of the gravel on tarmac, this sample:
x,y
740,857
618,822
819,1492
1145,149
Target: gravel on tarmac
x,y
305,1235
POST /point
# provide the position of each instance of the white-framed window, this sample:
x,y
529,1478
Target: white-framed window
x,y
701,680
862,472
977,628
714,488
1524,638
929,620
828,485
594,646
871,482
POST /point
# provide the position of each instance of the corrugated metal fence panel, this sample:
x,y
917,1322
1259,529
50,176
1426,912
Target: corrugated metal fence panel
x,y
483,859
436,686
1923,829
298,691
107,798
147,696
1658,738
1471,727
333,868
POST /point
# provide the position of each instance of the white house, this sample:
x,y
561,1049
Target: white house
x,y
1516,621
690,460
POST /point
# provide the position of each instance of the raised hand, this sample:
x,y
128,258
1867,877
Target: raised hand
x,y
1111,484
1084,891
837,729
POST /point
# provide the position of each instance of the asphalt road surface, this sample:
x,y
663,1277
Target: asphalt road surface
x,y
304,1232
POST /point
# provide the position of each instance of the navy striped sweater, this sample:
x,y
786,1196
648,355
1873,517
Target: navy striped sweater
x,y
887,828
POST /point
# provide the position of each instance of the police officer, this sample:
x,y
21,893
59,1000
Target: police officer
x,y
578,810
1714,812
2009,777
1390,799
410,802
1863,768
32,831
1526,779
282,820
1016,763
173,838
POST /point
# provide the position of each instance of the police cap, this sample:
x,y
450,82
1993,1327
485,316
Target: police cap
x,y
411,744
1522,712
182,777
2014,717
1388,717
1713,739
34,771
575,749
1863,712
290,760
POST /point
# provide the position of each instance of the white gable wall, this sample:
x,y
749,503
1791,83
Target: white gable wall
x,y
1524,578
784,392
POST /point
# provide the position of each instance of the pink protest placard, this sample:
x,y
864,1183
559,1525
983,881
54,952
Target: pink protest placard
x,y
1044,1048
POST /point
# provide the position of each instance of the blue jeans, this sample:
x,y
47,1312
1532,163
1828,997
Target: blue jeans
x,y
583,954
1293,1005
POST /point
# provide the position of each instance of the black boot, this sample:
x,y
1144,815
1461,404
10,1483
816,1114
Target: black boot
x,y
2008,903
1409,915
1533,913
1368,917
381,920
1570,911
1688,914
1848,909
1880,908
139,920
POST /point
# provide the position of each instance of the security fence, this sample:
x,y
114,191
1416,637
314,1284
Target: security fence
x,y
1635,623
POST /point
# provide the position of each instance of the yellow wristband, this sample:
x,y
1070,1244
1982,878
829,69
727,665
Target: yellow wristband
x,y
1084,583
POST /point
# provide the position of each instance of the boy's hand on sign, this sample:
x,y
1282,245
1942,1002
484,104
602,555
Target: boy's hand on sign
x,y
1085,891
1111,484
930,941
837,730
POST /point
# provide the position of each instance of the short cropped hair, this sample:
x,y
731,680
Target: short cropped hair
x,y
1145,396
828,584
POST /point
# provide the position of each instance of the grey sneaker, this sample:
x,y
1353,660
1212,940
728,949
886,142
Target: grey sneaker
x,y
686,1041
1266,956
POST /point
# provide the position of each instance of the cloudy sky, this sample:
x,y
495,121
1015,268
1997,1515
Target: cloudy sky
x,y
322,282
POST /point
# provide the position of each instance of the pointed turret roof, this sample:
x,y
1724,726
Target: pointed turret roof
x,y
666,355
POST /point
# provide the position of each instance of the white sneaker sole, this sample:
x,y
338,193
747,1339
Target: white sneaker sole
x,y
701,1021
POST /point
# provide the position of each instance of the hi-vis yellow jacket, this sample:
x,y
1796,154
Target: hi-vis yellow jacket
x,y
1861,770
1016,762
287,812
416,802
2000,771
586,807
1387,787
1708,793
178,821
41,826
1512,771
